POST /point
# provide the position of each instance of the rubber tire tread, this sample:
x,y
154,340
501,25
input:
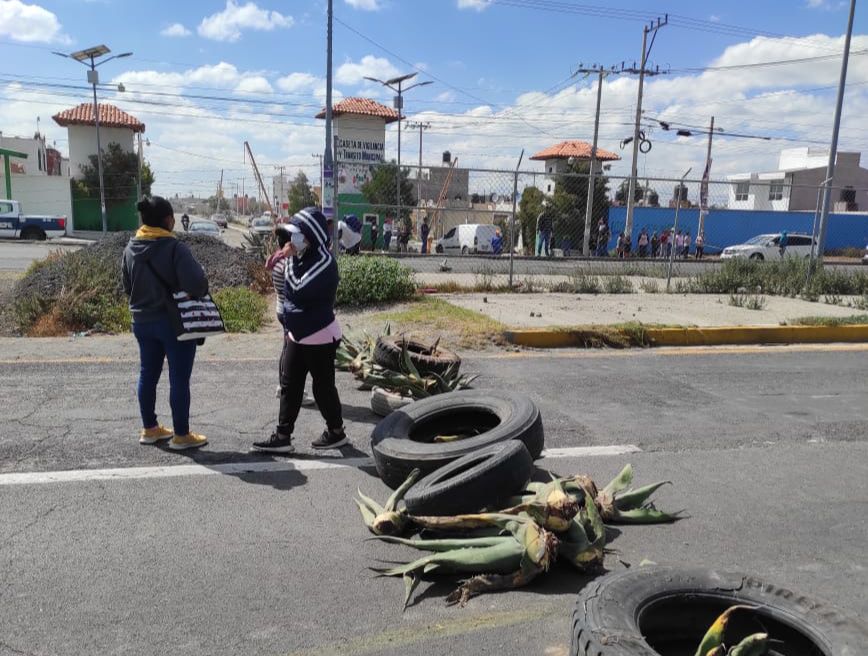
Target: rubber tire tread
x,y
387,353
605,618
486,479
384,403
396,455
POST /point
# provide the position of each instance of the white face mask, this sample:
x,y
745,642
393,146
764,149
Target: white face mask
x,y
299,242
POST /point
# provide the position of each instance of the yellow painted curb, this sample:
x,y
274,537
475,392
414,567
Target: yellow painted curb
x,y
701,336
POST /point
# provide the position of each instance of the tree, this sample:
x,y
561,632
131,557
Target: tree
x,y
120,176
528,210
380,191
214,206
621,193
569,204
301,194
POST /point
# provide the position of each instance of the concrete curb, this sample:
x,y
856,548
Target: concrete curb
x,y
700,336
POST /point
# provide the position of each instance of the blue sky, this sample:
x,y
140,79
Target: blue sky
x,y
500,72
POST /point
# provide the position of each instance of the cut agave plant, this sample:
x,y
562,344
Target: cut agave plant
x,y
550,506
713,638
386,520
620,505
499,562
583,543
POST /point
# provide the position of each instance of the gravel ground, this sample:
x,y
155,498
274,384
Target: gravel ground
x,y
520,310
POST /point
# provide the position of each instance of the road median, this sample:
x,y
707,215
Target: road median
x,y
637,335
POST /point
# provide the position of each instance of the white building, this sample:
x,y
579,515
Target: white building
x,y
40,182
556,160
795,184
115,126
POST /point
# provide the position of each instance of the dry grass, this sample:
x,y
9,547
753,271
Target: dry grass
x,y
430,318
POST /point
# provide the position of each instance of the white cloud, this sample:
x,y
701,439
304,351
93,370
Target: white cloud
x,y
369,66
29,23
228,24
298,82
477,5
253,85
714,18
221,76
176,29
367,5
446,96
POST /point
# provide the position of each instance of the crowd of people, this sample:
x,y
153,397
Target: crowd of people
x,y
665,244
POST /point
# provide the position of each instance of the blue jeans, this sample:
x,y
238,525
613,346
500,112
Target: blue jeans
x,y
543,244
157,342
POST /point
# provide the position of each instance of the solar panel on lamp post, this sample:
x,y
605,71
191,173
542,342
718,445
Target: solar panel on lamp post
x,y
399,105
88,57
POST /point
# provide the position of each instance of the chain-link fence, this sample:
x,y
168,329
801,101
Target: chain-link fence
x,y
556,222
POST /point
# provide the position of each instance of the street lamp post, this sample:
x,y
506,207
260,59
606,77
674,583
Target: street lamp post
x,y
88,57
399,105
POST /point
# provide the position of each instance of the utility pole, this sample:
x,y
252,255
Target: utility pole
x,y
589,205
833,149
319,157
281,170
703,188
139,180
651,29
328,189
421,126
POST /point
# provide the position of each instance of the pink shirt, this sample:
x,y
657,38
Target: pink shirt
x,y
331,333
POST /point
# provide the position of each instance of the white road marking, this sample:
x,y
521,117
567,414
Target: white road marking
x,y
236,468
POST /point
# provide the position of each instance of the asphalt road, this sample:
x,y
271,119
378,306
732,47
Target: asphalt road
x,y
767,450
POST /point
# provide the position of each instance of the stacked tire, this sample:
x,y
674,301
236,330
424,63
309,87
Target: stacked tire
x,y
488,442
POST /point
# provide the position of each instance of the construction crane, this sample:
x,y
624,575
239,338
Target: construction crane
x,y
440,200
262,189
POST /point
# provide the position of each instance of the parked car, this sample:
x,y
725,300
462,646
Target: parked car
x,y
220,219
467,238
14,224
766,247
207,228
262,225
865,256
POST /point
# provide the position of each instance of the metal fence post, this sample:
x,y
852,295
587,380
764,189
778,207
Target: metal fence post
x,y
674,230
512,219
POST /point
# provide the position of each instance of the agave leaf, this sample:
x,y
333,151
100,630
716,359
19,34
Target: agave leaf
x,y
644,516
399,493
447,544
713,638
620,482
372,505
368,516
636,498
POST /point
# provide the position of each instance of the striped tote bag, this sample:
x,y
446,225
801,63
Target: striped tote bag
x,y
192,318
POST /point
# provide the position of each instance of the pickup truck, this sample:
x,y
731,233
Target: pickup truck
x,y
14,224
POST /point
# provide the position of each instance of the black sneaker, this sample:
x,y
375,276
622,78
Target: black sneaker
x,y
275,444
330,439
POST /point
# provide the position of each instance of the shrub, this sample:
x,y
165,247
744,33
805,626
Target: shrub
x,y
243,310
584,284
368,280
83,290
617,285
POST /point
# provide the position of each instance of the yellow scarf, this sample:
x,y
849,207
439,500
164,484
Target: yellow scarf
x,y
150,232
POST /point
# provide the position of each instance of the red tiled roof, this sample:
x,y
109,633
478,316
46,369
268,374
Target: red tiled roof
x,y
363,106
574,148
109,116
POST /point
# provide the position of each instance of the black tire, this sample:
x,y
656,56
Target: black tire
x,y
403,441
438,248
483,479
675,606
757,256
464,250
388,350
34,234
384,403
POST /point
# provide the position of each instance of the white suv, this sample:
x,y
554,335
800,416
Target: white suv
x,y
765,247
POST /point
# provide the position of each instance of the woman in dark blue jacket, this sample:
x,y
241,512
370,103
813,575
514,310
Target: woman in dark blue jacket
x,y
312,334
154,255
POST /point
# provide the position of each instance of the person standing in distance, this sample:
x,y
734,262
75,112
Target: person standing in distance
x,y
312,334
423,234
154,255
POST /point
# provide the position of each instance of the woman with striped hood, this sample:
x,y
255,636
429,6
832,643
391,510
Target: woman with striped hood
x,y
312,334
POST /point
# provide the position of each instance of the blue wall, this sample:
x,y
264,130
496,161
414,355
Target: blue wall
x,y
728,227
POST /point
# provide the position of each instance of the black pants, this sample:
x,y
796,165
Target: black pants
x,y
297,360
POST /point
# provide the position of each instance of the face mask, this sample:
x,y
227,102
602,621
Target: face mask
x,y
299,242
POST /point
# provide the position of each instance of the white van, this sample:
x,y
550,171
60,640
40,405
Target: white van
x,y
467,238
